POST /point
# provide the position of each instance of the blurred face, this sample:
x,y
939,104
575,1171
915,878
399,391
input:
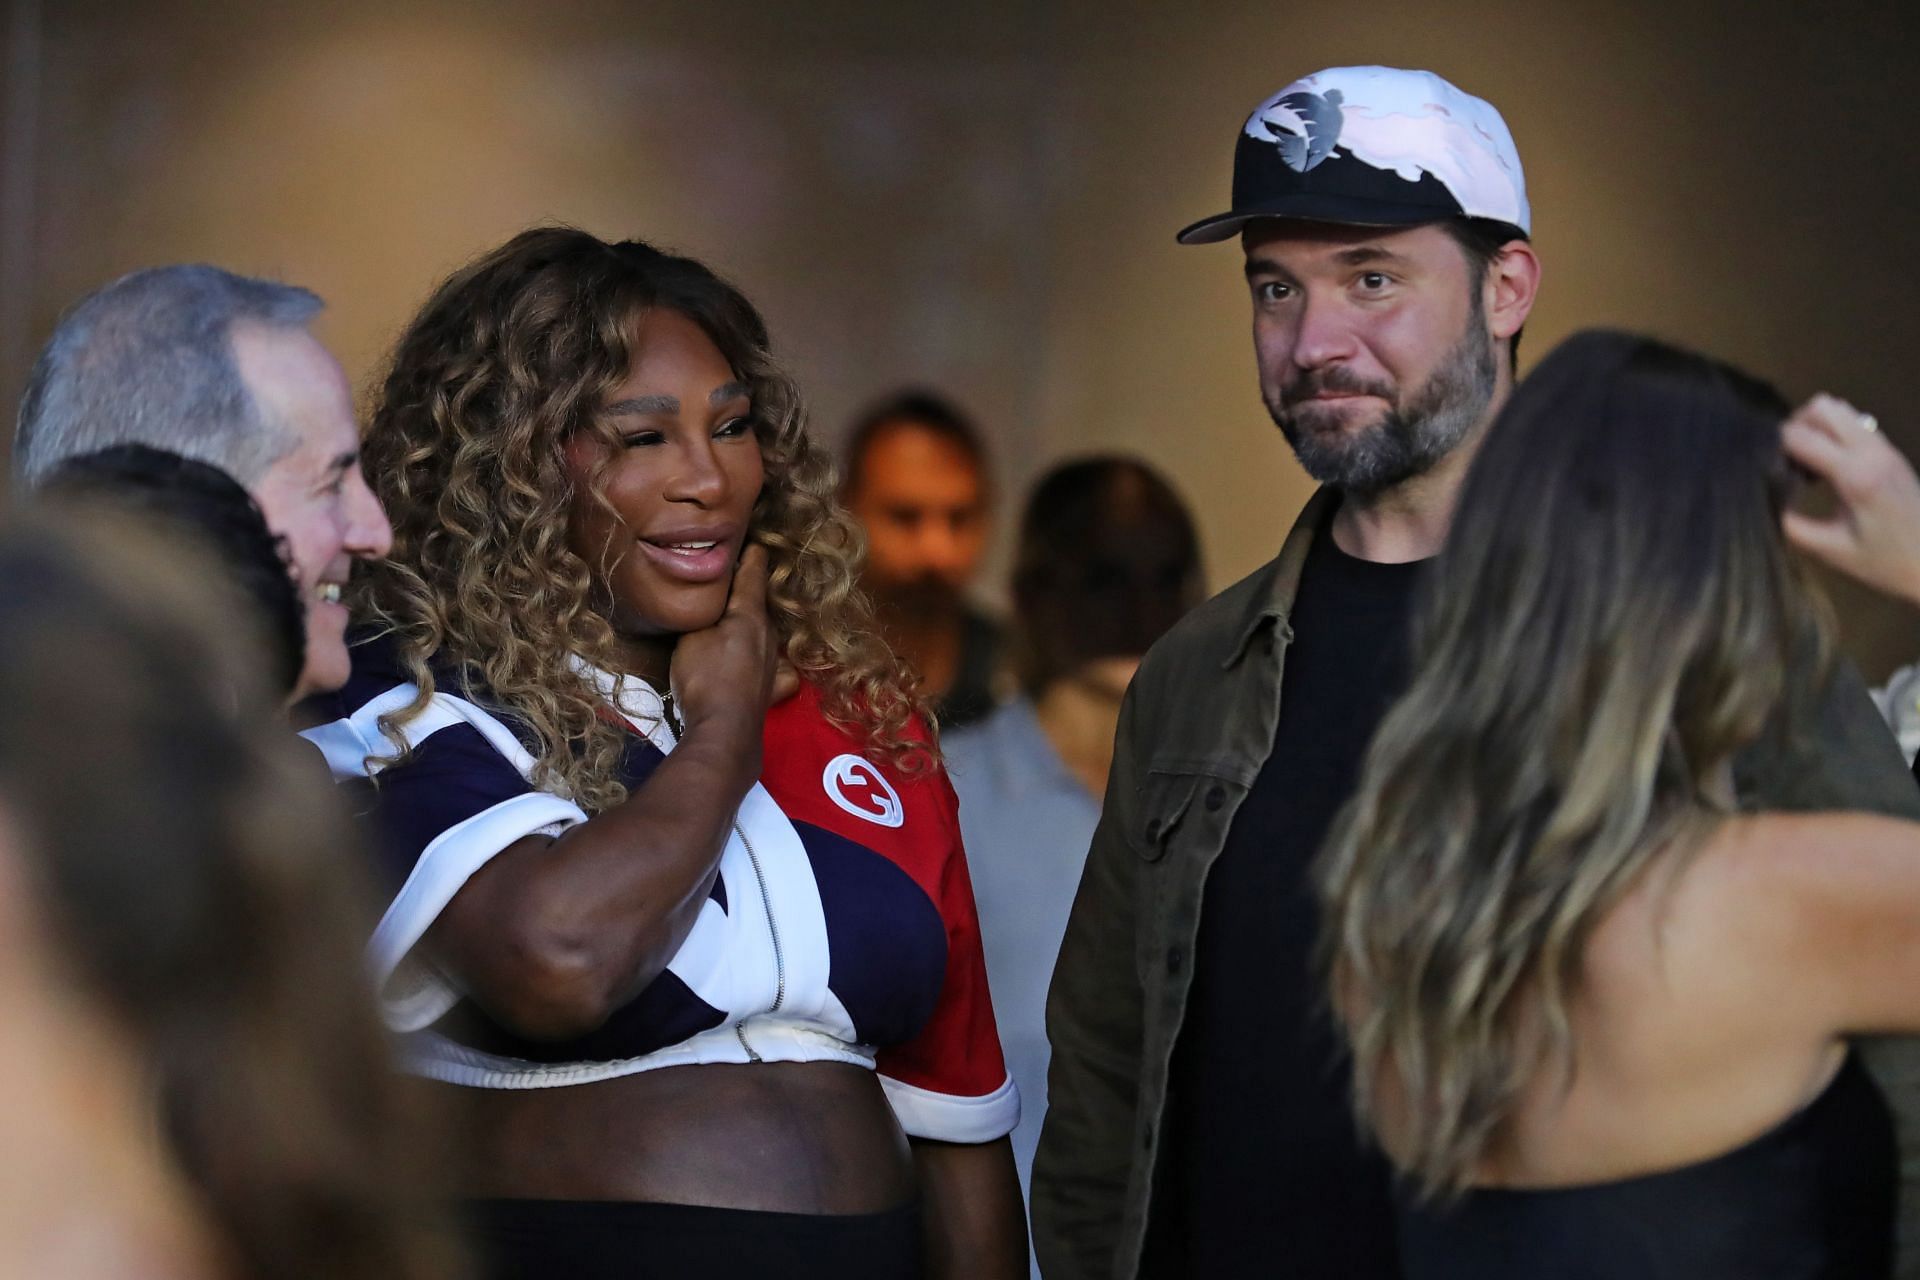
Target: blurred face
x,y
1375,355
923,503
679,482
315,497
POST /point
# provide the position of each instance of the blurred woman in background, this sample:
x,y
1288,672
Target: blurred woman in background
x,y
195,1085
1600,1014
702,957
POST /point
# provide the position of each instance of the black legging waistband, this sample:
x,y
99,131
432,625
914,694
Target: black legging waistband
x,y
642,1240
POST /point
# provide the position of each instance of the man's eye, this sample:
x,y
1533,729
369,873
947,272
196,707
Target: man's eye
x,y
1271,291
1373,281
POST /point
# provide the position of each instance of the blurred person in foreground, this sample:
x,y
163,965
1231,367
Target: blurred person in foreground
x,y
222,369
1585,982
203,505
1107,560
917,481
1199,1119
679,913
195,1085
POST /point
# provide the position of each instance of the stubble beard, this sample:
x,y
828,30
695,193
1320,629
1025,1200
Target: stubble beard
x,y
1412,436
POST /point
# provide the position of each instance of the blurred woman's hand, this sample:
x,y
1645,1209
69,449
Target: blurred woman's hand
x,y
1874,532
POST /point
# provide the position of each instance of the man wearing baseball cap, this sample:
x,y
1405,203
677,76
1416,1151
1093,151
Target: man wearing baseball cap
x,y
1199,1118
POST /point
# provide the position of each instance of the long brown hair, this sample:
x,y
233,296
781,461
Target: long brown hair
x,y
1614,615
513,354
192,872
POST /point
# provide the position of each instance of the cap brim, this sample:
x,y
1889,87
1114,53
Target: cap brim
x,y
1317,207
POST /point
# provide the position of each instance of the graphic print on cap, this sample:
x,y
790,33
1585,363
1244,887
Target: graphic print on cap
x,y
1303,125
860,789
1411,124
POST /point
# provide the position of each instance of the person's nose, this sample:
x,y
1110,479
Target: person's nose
x,y
369,533
698,477
1325,335
943,545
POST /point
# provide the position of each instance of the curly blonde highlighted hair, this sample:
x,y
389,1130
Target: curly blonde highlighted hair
x,y
512,356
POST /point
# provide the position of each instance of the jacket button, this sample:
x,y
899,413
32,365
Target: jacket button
x,y
1175,957
1216,796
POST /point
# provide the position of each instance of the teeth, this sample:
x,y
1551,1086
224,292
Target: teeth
x,y
692,546
330,592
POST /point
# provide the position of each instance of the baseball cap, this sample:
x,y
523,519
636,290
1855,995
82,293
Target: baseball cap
x,y
1375,146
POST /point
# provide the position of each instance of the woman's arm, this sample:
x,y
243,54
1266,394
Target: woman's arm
x,y
975,1225
1874,535
554,934
1834,902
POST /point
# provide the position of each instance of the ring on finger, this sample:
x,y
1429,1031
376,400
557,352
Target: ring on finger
x,y
1869,423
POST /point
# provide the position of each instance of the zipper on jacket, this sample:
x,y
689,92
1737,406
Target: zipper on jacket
x,y
674,729
773,929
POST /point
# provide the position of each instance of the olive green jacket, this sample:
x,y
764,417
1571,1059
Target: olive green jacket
x,y
1195,728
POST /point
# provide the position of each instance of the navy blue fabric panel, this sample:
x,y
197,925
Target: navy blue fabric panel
x,y
666,1013
886,942
638,761
452,776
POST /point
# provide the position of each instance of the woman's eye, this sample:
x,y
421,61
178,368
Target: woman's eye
x,y
635,439
735,427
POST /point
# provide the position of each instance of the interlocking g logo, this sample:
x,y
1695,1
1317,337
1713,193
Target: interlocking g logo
x,y
859,788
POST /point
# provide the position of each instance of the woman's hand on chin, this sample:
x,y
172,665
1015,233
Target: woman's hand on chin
x,y
730,669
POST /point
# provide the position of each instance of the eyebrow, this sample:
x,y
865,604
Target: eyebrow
x,y
671,404
1367,255
1364,255
645,404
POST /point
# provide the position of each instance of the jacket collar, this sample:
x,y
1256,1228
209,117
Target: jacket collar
x,y
1271,603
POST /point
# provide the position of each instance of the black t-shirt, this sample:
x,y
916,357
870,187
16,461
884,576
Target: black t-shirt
x,y
1264,1173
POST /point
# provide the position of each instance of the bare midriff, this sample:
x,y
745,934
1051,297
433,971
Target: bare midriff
x,y
787,1137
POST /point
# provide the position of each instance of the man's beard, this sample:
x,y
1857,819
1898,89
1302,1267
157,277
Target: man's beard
x,y
923,598
1413,435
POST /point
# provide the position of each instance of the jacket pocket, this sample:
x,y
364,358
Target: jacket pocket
x,y
1180,831
1164,802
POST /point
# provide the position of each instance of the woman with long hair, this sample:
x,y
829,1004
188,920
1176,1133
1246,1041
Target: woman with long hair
x,y
196,1085
699,952
1599,1011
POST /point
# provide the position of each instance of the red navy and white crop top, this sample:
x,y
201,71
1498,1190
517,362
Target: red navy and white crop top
x,y
841,926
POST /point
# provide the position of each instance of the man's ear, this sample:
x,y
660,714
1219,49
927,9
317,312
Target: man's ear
x,y
1512,283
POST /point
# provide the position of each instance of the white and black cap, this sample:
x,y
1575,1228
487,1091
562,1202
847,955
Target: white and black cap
x,y
1373,146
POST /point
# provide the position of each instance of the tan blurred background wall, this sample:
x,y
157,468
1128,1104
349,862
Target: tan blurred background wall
x,y
981,197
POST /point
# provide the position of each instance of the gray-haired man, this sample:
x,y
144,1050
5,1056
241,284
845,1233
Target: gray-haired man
x,y
221,368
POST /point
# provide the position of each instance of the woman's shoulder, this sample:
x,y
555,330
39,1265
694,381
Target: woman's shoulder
x,y
1798,846
1802,884
806,748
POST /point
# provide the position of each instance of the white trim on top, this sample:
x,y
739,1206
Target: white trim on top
x,y
946,1117
421,996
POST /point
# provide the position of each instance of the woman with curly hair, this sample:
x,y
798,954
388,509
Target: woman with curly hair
x,y
1603,1003
703,957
